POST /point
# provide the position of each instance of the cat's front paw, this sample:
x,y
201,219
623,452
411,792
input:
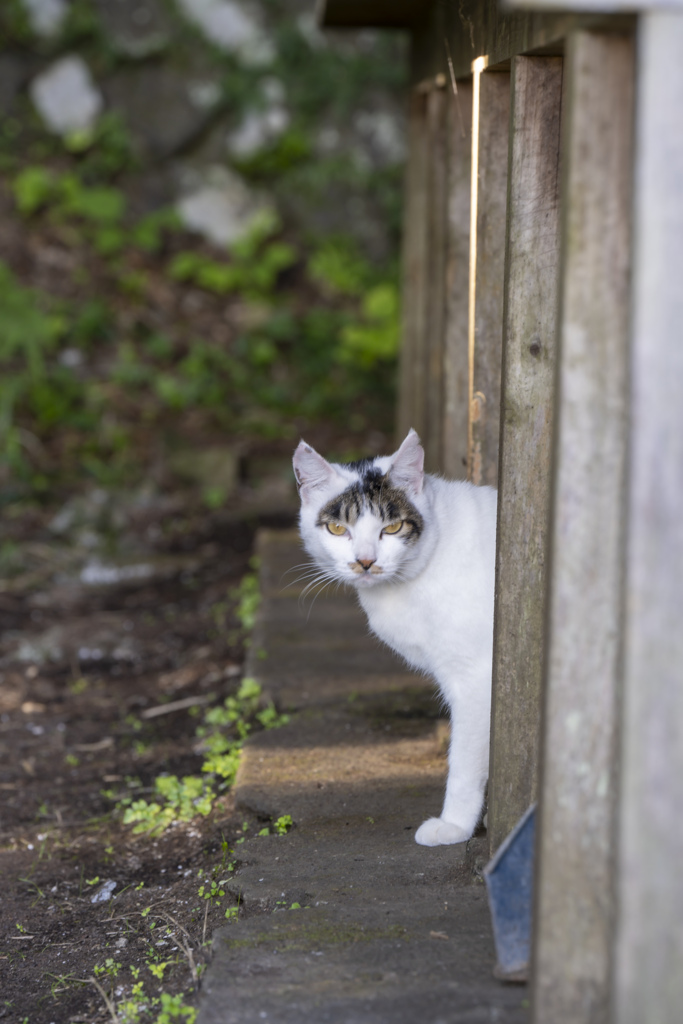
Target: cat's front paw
x,y
437,832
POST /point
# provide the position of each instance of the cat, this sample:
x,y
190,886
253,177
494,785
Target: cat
x,y
420,552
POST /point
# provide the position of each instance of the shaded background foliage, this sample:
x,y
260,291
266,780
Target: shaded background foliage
x,y
204,258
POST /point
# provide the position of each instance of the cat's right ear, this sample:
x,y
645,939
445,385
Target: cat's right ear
x,y
313,473
407,464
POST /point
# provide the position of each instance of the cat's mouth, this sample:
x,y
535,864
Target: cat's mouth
x,y
366,575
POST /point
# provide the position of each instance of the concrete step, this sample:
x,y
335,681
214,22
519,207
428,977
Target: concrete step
x,y
346,919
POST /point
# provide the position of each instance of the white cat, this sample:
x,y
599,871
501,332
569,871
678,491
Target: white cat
x,y
420,552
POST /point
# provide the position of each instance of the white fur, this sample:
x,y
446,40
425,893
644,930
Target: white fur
x,y
431,602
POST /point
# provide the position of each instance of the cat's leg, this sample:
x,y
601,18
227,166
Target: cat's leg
x,y
468,766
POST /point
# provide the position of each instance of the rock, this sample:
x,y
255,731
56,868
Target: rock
x,y
46,16
218,205
160,109
104,893
134,28
204,94
233,27
260,128
66,97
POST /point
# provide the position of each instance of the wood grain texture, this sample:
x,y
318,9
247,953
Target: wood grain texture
x,y
486,306
456,362
414,262
649,980
530,327
435,313
574,897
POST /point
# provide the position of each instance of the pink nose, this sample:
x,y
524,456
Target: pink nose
x,y
366,562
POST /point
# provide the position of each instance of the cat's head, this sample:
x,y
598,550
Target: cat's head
x,y
363,521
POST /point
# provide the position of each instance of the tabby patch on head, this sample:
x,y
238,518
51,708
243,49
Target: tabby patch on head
x,y
373,493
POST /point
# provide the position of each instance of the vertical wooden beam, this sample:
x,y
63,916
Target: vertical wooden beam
x,y
530,326
490,111
456,361
437,240
649,980
411,399
574,898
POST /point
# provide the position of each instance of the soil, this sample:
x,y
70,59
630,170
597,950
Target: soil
x,y
82,658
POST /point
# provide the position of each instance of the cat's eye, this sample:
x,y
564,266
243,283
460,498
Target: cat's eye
x,y
336,528
392,528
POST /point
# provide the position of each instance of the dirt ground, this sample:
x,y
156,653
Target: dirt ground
x,y
89,646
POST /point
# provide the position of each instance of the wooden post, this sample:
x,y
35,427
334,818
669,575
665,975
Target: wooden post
x,y
437,227
456,361
411,402
530,325
490,116
574,893
648,978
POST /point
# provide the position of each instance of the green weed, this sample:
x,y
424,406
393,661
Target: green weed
x,y
182,799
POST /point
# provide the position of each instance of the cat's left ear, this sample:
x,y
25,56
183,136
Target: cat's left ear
x,y
407,465
313,473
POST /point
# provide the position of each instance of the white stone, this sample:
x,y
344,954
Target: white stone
x,y
66,97
258,129
233,27
46,16
220,206
204,95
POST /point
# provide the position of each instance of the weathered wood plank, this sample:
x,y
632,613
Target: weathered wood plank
x,y
530,326
491,107
574,898
411,407
435,313
456,359
601,6
649,980
478,27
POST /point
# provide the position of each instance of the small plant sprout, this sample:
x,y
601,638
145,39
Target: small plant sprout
x,y
158,969
211,891
111,968
283,824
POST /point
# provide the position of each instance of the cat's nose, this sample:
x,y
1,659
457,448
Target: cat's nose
x,y
367,562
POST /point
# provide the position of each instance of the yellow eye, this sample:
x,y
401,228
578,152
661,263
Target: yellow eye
x,y
392,528
337,529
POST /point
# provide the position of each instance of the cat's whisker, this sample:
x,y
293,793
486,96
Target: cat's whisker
x,y
329,580
325,577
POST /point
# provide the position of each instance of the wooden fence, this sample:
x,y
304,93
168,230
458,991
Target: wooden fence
x,y
543,353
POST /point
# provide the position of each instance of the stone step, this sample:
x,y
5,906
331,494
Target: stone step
x,y
345,918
